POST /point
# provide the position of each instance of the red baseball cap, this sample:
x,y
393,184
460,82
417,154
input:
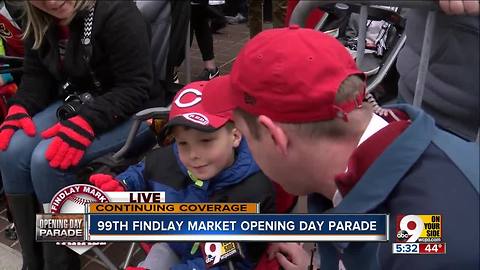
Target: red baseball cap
x,y
187,110
288,74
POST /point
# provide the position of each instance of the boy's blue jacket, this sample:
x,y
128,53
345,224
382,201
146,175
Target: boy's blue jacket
x,y
242,182
424,171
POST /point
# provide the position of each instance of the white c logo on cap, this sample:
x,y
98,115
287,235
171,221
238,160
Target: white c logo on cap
x,y
197,100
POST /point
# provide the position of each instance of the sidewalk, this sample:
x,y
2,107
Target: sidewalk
x,y
9,258
226,45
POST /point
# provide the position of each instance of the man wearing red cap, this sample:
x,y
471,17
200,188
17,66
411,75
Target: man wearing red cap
x,y
206,160
308,129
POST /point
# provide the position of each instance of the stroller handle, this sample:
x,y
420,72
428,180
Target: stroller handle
x,y
4,59
303,8
138,118
11,64
152,113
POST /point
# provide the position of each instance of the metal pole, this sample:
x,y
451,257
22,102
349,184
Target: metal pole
x,y
362,34
188,64
424,57
104,259
129,255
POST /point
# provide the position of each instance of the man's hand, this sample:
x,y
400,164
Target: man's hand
x,y
460,7
291,256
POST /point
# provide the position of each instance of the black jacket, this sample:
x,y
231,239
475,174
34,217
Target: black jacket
x,y
121,61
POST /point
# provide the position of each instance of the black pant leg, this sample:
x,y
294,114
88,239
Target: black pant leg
x,y
201,28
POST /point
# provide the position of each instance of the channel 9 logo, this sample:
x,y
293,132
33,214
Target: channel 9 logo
x,y
218,252
419,228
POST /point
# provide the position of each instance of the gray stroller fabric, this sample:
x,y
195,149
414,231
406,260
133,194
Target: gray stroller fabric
x,y
158,14
451,93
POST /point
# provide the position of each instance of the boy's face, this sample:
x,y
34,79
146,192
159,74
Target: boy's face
x,y
206,154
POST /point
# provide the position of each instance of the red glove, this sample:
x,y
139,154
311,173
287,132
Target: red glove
x,y
135,268
71,139
17,118
106,182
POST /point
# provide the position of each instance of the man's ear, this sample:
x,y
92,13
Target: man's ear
x,y
237,137
278,135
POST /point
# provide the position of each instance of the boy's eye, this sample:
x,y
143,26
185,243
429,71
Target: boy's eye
x,y
206,140
182,143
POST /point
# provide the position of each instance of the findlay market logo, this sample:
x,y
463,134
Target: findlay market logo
x,y
74,198
66,223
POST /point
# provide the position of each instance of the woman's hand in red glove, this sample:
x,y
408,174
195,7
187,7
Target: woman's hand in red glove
x,y
106,182
17,118
70,140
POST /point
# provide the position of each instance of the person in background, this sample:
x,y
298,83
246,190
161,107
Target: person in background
x,y
158,16
201,14
237,11
216,10
255,15
110,77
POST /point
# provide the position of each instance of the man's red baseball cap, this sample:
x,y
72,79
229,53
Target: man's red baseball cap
x,y
288,74
187,110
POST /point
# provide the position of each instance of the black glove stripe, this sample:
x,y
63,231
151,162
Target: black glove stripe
x,y
15,128
17,116
78,130
71,142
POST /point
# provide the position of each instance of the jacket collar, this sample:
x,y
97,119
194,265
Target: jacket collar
x,y
387,170
49,53
378,181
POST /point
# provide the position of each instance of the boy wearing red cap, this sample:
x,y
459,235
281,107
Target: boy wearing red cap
x,y
309,130
208,162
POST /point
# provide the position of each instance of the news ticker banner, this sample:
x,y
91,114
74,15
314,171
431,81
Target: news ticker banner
x,y
95,228
236,227
71,227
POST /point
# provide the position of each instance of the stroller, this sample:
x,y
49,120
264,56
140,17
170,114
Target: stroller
x,y
383,34
350,22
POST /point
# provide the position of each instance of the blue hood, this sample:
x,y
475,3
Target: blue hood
x,y
243,167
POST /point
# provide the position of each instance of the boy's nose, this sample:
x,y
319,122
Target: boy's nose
x,y
193,154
